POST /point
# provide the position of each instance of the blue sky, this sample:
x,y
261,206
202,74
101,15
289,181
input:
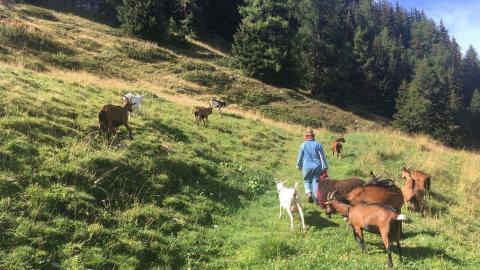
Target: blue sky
x,y
460,17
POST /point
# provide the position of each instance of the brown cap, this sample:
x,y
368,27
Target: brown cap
x,y
309,131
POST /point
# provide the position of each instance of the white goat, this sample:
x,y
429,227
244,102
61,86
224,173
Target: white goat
x,y
135,100
289,201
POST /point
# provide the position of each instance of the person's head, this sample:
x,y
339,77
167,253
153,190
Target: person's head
x,y
309,134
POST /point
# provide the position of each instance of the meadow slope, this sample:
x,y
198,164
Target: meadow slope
x,y
180,196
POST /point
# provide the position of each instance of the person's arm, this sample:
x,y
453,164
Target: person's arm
x,y
323,158
300,157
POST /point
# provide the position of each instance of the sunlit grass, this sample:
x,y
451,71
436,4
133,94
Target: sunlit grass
x,y
180,196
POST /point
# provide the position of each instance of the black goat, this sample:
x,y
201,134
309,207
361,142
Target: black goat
x,y
218,104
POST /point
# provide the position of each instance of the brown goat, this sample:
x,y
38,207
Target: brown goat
x,y
422,180
389,195
343,187
376,218
111,117
337,147
202,113
413,195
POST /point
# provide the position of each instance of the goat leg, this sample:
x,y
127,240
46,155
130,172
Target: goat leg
x,y
129,130
291,218
399,250
358,235
300,212
386,242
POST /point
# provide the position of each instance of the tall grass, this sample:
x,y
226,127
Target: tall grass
x,y
179,196
15,33
73,198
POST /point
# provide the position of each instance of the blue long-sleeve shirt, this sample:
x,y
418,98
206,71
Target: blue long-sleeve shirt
x,y
311,155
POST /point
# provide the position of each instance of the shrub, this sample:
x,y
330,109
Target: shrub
x,y
198,66
39,13
289,114
15,33
88,44
207,78
253,98
144,52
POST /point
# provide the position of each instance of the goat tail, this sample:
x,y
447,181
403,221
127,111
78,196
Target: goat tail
x,y
401,217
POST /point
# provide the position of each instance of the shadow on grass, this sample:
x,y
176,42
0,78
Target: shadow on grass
x,y
315,220
439,197
410,234
9,162
190,50
171,132
80,12
349,155
232,115
417,253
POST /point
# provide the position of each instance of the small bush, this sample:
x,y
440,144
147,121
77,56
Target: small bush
x,y
336,128
295,115
88,44
144,52
198,66
207,78
15,33
62,60
187,91
39,13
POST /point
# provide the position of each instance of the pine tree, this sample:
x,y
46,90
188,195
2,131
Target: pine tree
x,y
263,44
475,104
424,106
471,71
144,18
475,112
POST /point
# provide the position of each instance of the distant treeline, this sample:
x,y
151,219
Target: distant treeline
x,y
363,53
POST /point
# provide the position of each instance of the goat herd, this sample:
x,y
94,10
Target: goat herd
x,y
373,205
111,116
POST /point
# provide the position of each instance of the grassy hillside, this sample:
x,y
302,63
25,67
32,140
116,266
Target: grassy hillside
x,y
180,196
46,41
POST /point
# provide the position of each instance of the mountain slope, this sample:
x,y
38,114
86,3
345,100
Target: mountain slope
x,y
181,196
62,44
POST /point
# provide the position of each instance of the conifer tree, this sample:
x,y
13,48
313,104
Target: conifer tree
x,y
144,18
263,44
475,112
471,71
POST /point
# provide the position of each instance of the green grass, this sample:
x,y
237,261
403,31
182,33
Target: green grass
x,y
180,196
444,239
44,40
68,193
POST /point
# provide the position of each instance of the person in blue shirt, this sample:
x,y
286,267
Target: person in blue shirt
x,y
313,164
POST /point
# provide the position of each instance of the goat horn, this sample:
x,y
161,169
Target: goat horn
x,y
336,195
378,177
